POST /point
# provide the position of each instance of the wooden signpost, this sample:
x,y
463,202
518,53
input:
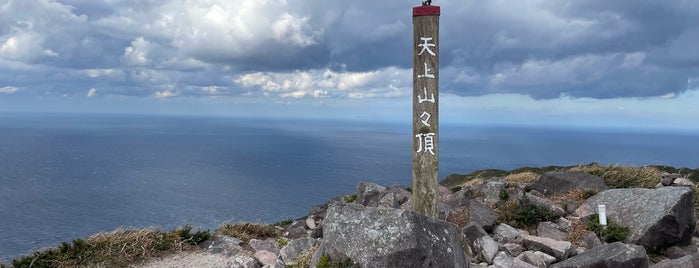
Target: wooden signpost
x,y
425,108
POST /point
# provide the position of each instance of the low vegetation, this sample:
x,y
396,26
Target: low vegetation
x,y
624,176
613,232
523,213
326,262
119,248
248,231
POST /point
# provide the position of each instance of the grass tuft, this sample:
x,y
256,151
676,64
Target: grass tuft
x,y
612,233
248,231
616,176
523,213
523,177
120,248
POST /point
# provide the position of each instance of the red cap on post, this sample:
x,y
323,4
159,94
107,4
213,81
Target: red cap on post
x,y
425,11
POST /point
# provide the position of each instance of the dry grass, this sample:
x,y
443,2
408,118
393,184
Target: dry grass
x,y
118,248
578,229
473,182
523,177
616,176
458,217
248,231
304,260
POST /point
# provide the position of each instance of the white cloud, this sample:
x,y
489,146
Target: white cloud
x,y
8,89
387,82
137,53
165,94
92,92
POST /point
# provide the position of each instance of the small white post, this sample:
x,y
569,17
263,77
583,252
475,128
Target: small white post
x,y
602,211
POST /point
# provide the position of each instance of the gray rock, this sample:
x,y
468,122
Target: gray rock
x,y
559,249
223,244
310,223
318,212
550,230
668,178
268,259
492,191
504,233
243,261
614,255
513,249
482,245
369,194
676,252
684,262
457,199
482,215
537,258
562,182
591,240
386,237
564,223
656,218
266,245
295,248
502,260
683,182
555,209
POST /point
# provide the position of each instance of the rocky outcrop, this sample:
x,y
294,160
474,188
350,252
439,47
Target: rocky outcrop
x,y
386,237
561,182
614,255
657,218
561,250
480,243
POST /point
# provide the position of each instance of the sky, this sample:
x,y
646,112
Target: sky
x,y
587,63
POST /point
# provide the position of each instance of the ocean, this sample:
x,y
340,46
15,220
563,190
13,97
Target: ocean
x,y
66,176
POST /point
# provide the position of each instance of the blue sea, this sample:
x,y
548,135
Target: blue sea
x,y
66,176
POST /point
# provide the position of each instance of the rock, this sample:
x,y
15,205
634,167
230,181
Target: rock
x,y
310,223
513,249
556,210
457,199
559,249
266,245
676,252
482,215
268,259
684,262
504,233
394,197
492,191
318,212
482,245
243,261
297,230
502,260
564,223
550,230
614,255
683,182
223,244
537,258
591,240
386,237
442,192
668,178
562,182
295,248
369,194
317,232
656,218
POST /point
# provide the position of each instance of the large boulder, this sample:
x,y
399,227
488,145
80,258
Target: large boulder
x,y
614,255
562,182
478,212
387,237
656,218
369,193
684,262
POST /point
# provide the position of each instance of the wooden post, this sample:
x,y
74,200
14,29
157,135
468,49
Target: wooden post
x,y
425,109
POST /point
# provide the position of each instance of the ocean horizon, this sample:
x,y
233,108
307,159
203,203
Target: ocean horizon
x,y
67,176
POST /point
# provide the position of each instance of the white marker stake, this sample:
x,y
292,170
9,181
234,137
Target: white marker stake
x,y
602,210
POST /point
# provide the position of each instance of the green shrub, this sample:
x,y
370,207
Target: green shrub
x,y
524,214
282,242
504,195
351,198
612,233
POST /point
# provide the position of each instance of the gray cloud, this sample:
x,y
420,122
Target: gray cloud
x,y
162,49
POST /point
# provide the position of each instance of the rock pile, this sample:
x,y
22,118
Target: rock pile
x,y
475,228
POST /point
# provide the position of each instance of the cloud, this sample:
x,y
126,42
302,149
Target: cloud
x,y
8,89
341,49
92,92
318,83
